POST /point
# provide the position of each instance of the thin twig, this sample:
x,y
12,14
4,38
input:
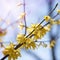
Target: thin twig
x,y
53,9
24,17
55,15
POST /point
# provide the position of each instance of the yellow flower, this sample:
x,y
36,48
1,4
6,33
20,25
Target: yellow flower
x,y
52,43
21,26
58,11
27,42
47,18
22,15
33,26
41,32
21,38
58,22
13,54
52,21
38,33
31,45
48,27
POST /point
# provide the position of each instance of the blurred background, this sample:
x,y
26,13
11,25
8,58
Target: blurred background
x,y
35,10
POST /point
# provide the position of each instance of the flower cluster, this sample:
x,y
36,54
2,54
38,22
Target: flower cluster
x,y
13,54
39,32
27,42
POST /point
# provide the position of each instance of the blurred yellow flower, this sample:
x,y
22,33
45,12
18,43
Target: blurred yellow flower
x,y
21,26
47,18
27,42
58,22
38,33
58,11
52,43
21,38
13,54
22,15
33,26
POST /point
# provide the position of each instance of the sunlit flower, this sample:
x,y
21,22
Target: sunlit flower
x,y
27,42
22,15
47,18
33,26
52,43
21,38
58,11
38,33
13,54
58,22
21,26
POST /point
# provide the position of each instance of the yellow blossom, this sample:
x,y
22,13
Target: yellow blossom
x,y
52,21
47,18
22,15
48,27
58,22
33,26
31,45
58,11
21,26
21,38
38,33
13,54
52,43
27,42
